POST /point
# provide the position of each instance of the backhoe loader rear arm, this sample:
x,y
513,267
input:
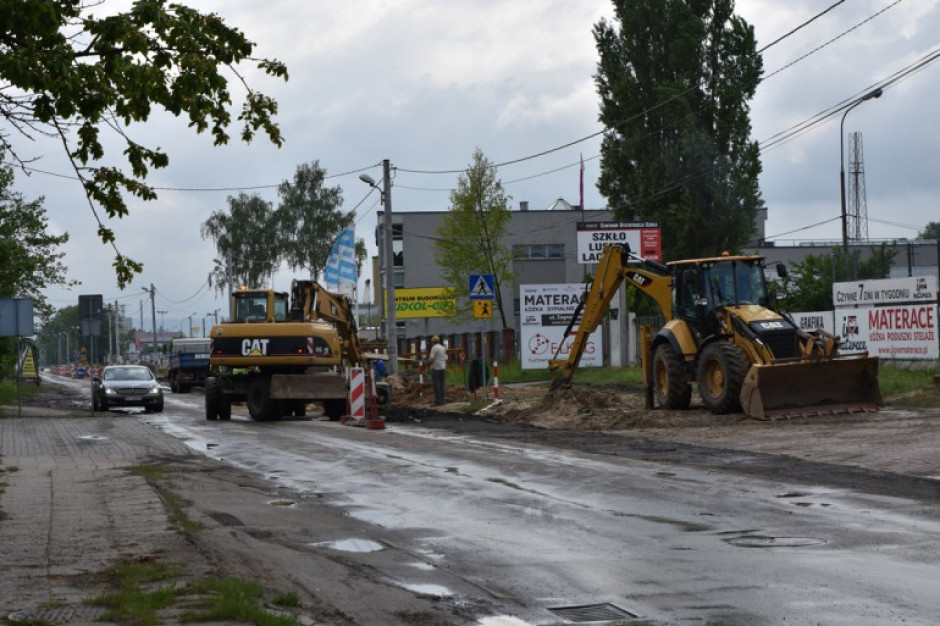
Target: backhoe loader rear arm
x,y
611,272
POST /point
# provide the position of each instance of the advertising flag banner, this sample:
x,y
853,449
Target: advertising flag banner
x,y
340,273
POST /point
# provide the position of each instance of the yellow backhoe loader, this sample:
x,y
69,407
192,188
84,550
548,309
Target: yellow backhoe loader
x,y
722,334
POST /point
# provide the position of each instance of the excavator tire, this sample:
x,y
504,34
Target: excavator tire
x,y
225,407
334,409
212,398
722,367
670,379
261,407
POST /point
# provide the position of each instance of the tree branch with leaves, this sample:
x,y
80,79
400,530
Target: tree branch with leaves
x,y
68,74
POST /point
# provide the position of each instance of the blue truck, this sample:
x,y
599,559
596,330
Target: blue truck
x,y
189,364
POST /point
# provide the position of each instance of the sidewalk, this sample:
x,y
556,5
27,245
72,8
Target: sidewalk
x,y
71,509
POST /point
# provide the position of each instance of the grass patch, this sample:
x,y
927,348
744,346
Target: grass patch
x,y
134,602
513,373
234,599
144,591
158,478
907,386
8,395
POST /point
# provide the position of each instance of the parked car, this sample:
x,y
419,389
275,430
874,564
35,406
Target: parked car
x,y
126,385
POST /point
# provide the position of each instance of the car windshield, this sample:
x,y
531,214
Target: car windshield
x,y
127,373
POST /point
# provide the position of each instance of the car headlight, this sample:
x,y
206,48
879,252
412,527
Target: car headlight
x,y
109,391
154,391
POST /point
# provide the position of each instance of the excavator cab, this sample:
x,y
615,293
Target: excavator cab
x,y
253,305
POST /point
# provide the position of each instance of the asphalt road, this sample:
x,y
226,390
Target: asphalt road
x,y
494,524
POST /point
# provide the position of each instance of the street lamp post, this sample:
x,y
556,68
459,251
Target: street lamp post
x,y
391,327
875,93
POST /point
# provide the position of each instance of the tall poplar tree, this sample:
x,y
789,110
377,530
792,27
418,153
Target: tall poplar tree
x,y
674,79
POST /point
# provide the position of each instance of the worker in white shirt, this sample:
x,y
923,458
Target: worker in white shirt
x,y
438,359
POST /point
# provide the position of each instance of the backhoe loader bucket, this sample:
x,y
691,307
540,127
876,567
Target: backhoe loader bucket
x,y
803,388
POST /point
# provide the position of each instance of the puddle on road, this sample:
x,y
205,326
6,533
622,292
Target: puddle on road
x,y
764,541
360,546
372,516
426,589
283,503
92,437
427,567
502,620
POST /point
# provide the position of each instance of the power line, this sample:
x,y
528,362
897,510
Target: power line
x,y
800,27
834,39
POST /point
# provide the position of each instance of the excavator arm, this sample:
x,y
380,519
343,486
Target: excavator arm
x,y
311,301
612,270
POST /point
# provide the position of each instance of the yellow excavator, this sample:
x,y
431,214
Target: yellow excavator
x,y
722,334
279,354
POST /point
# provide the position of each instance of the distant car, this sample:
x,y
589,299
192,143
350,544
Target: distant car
x,y
126,385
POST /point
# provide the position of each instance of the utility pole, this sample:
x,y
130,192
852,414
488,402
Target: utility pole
x,y
391,324
153,314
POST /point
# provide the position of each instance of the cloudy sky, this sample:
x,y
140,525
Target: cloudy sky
x,y
425,83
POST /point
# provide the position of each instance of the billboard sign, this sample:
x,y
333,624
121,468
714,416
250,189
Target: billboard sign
x,y
888,291
643,238
900,332
545,312
16,317
424,302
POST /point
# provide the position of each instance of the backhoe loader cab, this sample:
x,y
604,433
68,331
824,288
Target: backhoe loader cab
x,y
722,335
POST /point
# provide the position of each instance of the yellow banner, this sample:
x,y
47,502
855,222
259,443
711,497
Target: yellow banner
x,y
425,302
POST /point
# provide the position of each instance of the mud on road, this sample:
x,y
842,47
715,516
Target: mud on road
x,y
892,451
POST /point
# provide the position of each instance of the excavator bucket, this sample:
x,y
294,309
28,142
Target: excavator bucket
x,y
803,388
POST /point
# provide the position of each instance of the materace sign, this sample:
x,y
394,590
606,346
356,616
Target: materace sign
x,y
545,312
891,332
893,319
643,238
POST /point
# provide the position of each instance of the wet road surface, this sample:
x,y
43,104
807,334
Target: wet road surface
x,y
644,532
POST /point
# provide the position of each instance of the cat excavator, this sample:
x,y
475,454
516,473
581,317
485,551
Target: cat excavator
x,y
279,354
722,334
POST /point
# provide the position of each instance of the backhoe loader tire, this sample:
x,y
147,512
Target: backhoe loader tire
x,y
670,379
261,407
722,367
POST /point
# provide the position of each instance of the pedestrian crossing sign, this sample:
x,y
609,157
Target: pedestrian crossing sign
x,y
481,286
483,309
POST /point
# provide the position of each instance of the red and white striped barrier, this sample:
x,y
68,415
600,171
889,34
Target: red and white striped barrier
x,y
495,381
357,393
420,378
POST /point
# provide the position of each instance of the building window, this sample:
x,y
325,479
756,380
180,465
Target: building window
x,y
539,251
398,245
